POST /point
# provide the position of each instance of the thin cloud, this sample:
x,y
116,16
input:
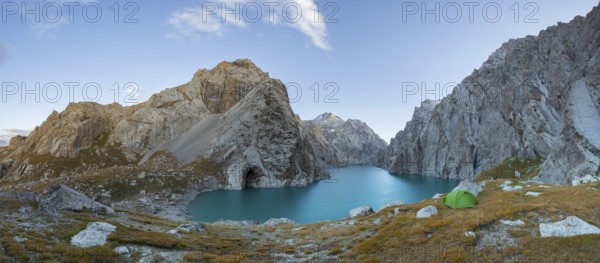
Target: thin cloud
x,y
308,25
189,24
194,23
7,134
17,131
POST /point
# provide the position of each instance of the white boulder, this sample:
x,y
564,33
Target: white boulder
x,y
588,178
95,234
427,211
361,211
571,226
470,187
533,193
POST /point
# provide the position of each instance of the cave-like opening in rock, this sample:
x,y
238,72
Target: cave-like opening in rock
x,y
251,177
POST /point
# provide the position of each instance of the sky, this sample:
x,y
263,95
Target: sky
x,y
368,60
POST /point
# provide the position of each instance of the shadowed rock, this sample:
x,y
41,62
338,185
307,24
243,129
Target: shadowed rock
x,y
62,198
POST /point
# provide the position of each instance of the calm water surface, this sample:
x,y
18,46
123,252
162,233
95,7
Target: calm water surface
x,y
331,199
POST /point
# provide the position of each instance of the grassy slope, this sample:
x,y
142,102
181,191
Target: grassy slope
x,y
400,237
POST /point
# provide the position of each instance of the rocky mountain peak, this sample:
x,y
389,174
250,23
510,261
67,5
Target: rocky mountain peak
x,y
227,83
329,118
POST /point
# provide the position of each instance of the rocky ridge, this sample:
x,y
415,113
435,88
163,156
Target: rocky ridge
x,y
535,98
342,143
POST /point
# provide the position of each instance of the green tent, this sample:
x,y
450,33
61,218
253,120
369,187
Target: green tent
x,y
459,199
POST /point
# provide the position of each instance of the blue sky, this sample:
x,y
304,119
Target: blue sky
x,y
359,55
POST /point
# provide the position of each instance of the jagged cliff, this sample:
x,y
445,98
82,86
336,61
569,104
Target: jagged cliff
x,y
343,143
534,98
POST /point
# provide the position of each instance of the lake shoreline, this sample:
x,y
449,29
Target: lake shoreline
x,y
313,203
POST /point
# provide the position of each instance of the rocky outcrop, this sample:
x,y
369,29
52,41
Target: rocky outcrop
x,y
571,226
361,211
63,198
535,97
404,150
95,234
470,187
427,212
65,134
257,142
341,143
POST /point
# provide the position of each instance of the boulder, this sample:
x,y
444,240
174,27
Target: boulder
x,y
95,234
361,211
571,226
588,178
278,221
470,187
63,198
427,212
509,188
533,193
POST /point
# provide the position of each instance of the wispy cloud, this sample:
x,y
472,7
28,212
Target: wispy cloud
x,y
314,28
212,19
7,134
192,23
17,131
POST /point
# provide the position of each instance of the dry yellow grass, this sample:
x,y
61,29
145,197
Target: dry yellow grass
x,y
441,238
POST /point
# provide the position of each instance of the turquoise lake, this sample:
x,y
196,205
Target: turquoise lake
x,y
331,199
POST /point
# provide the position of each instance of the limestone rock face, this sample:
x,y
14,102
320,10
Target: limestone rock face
x,y
404,150
257,142
341,143
534,97
227,84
